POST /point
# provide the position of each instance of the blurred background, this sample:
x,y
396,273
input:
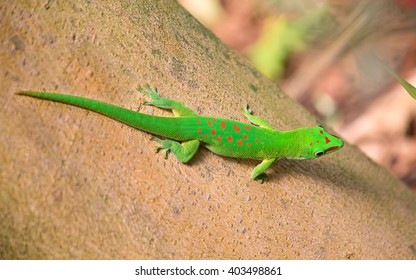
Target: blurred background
x,y
326,55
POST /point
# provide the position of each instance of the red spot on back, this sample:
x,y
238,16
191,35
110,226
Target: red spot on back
x,y
247,127
310,144
198,121
245,136
213,132
230,139
240,142
257,140
209,123
327,140
320,131
236,128
199,130
205,135
222,124
214,119
248,144
219,138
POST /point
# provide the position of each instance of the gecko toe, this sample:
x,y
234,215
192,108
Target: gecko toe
x,y
261,178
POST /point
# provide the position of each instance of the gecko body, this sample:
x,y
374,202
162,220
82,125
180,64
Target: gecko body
x,y
186,131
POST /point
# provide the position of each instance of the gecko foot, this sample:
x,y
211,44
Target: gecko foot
x,y
164,146
261,178
152,93
247,110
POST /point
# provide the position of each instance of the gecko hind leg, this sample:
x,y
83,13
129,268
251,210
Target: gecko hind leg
x,y
255,120
183,151
178,109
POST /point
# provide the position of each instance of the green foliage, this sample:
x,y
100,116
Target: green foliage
x,y
280,38
407,86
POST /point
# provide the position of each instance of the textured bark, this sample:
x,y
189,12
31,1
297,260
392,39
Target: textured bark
x,y
75,184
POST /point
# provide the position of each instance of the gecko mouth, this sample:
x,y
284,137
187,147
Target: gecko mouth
x,y
333,148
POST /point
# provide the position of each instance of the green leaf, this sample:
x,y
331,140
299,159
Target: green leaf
x,y
407,86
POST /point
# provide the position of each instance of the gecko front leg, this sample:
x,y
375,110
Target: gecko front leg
x,y
258,172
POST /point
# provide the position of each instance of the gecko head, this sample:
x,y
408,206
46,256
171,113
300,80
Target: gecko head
x,y
319,142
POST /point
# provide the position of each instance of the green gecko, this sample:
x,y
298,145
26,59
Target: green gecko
x,y
224,137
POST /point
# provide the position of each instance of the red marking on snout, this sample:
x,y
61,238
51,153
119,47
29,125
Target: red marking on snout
x,y
327,140
332,149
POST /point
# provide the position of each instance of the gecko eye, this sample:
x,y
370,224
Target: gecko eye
x,y
319,153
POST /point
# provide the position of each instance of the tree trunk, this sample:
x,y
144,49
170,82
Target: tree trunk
x,y
75,184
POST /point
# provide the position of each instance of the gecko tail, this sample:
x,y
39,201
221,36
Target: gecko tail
x,y
163,126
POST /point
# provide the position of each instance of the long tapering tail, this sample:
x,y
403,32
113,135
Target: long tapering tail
x,y
164,126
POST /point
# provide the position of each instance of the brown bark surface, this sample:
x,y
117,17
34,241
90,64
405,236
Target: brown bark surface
x,y
75,184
